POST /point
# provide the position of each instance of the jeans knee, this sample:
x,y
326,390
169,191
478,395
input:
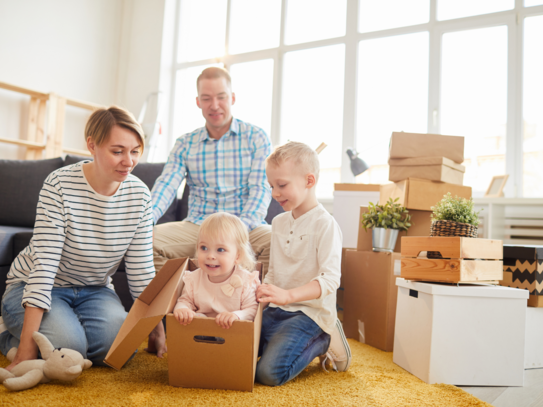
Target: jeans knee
x,y
266,376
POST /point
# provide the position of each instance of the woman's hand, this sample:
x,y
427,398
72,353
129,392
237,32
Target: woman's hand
x,y
226,319
28,349
183,315
157,341
270,293
24,352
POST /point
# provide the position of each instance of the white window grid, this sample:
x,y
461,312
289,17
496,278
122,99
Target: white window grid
x,y
513,19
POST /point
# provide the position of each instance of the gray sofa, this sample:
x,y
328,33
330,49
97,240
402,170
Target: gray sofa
x,y
20,185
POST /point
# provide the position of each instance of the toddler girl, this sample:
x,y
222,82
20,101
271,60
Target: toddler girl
x,y
222,287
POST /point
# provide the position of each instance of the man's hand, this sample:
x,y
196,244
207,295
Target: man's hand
x,y
157,341
271,293
226,319
183,315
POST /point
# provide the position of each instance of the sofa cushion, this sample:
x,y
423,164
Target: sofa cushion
x,y
21,182
148,173
7,243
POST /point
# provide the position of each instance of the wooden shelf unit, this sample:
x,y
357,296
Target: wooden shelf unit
x,y
50,108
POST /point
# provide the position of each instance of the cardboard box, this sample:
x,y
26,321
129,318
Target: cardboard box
x,y
412,145
523,268
340,291
431,168
347,201
370,297
420,226
534,338
467,335
452,259
421,194
230,365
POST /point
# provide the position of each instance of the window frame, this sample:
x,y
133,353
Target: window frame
x,y
513,19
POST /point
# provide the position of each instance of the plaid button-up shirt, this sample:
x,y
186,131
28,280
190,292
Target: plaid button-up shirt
x,y
226,175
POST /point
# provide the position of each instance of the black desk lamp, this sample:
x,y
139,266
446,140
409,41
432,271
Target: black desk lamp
x,y
358,166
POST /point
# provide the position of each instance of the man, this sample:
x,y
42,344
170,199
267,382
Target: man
x,y
223,164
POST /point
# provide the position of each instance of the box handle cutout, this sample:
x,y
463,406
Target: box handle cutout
x,y
413,293
216,340
429,254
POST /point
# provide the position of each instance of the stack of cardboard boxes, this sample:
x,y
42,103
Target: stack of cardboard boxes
x,y
369,278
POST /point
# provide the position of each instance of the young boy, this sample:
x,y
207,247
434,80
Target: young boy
x,y
303,276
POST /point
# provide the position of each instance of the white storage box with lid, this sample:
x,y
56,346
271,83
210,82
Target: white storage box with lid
x,y
348,198
461,335
534,338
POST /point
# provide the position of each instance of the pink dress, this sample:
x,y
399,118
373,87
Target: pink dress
x,y
236,295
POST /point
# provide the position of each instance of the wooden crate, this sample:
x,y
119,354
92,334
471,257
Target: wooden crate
x,y
463,260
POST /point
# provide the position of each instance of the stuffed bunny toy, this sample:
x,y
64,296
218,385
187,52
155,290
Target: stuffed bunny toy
x,y
61,364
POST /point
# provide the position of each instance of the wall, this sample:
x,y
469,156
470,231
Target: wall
x,y
102,51
145,61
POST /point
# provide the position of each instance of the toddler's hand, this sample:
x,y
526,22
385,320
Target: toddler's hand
x,y
269,293
183,315
225,319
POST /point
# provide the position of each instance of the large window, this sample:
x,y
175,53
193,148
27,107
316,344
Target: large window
x,y
350,72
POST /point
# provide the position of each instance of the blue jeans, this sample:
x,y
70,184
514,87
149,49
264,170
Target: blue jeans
x,y
288,343
86,319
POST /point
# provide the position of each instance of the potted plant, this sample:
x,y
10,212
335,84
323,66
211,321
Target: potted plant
x,y
454,217
385,221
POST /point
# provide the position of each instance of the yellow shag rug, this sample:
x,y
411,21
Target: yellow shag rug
x,y
372,380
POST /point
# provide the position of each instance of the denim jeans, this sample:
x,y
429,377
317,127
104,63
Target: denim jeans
x,y
288,343
86,319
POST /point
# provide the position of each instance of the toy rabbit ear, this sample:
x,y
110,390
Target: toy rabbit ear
x,y
86,364
46,348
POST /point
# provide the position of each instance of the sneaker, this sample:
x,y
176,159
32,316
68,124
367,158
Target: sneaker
x,y
339,353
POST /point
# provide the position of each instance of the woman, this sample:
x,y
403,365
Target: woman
x,y
90,216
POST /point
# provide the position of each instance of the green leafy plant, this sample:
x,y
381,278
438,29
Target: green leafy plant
x,y
390,215
456,209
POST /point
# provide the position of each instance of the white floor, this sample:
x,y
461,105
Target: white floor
x,y
531,395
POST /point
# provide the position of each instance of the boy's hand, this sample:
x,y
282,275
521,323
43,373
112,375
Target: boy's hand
x,y
271,293
183,315
225,319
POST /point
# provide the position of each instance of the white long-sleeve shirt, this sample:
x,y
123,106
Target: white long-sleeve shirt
x,y
304,250
80,237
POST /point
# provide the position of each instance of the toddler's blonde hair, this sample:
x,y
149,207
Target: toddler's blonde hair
x,y
222,225
300,154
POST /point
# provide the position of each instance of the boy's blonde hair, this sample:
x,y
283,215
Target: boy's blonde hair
x,y
300,154
101,121
222,225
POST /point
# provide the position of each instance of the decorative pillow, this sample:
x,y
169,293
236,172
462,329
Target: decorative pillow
x,y
20,185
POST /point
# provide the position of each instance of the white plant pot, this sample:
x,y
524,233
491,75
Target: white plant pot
x,y
384,240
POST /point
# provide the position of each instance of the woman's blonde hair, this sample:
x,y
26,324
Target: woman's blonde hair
x,y
101,122
222,225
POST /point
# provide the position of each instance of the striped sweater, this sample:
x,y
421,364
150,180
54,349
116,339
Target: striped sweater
x,y
80,237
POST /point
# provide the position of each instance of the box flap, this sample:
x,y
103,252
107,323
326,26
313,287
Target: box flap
x,y
421,161
463,290
356,187
149,308
409,145
522,252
